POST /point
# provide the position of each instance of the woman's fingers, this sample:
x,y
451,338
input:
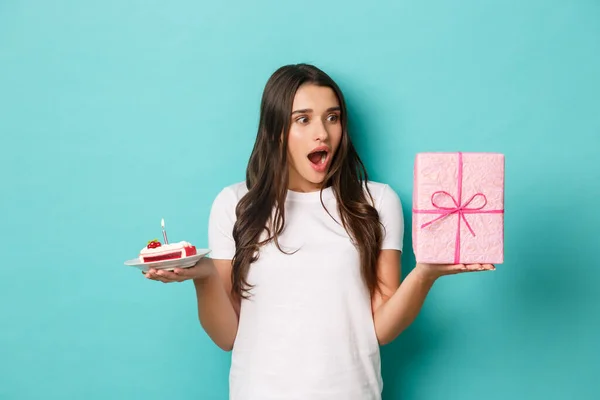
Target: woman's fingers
x,y
458,268
177,275
168,275
182,273
162,276
155,276
478,267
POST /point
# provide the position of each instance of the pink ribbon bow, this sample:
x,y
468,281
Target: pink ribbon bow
x,y
459,208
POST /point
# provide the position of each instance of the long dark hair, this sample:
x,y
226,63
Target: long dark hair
x,y
262,208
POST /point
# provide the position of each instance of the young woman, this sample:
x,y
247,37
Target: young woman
x,y
303,282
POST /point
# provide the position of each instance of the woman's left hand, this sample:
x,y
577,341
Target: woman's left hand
x,y
434,271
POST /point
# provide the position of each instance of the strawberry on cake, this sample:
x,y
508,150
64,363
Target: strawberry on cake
x,y
155,251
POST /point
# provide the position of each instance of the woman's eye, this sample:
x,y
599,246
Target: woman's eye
x,y
333,118
302,120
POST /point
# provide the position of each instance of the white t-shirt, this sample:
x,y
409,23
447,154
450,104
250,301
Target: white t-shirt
x,y
307,331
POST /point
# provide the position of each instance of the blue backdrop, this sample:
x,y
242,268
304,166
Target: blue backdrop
x,y
114,114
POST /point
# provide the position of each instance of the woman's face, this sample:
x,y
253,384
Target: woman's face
x,y
314,137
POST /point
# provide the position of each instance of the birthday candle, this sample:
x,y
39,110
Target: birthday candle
x,y
162,224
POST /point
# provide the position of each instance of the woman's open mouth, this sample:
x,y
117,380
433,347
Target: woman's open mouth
x,y
319,158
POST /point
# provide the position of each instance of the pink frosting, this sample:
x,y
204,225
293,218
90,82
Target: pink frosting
x,y
164,249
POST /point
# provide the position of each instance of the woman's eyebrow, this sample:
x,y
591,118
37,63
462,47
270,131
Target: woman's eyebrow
x,y
303,111
309,110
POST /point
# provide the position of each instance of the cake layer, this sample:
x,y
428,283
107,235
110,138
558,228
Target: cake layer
x,y
167,252
162,257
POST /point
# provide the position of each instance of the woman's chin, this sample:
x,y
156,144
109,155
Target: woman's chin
x,y
309,177
315,178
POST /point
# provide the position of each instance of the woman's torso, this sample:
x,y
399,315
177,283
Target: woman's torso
x,y
307,331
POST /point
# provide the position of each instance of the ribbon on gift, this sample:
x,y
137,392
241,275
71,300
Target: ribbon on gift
x,y
459,208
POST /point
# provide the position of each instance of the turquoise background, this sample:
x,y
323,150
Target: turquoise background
x,y
115,114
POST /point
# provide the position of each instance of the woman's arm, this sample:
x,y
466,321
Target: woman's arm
x,y
218,312
397,306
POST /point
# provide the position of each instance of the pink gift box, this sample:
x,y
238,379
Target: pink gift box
x,y
458,208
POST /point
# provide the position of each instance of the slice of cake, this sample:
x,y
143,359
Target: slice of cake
x,y
155,251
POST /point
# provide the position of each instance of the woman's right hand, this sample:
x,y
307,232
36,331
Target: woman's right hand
x,y
203,269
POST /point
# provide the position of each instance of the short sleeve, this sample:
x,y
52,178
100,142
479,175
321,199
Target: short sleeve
x,y
220,225
390,214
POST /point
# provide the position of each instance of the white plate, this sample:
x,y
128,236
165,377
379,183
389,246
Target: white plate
x,y
169,265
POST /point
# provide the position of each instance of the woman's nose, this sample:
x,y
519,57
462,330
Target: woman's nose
x,y
320,132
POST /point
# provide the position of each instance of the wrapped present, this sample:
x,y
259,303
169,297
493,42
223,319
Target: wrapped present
x,y
458,208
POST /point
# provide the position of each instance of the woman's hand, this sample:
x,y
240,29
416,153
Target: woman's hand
x,y
203,269
431,272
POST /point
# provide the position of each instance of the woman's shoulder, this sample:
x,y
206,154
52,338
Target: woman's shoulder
x,y
237,190
375,186
229,195
383,194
